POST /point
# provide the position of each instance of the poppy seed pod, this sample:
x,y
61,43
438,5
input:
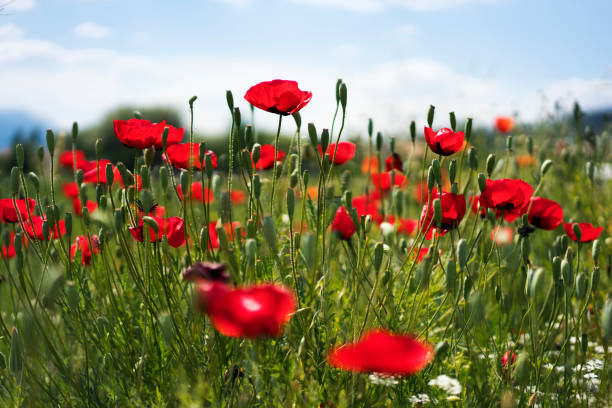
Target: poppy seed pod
x,y
145,177
312,133
347,199
452,171
325,141
15,180
378,255
75,131
577,232
379,141
250,248
398,201
437,205
163,177
490,164
294,178
472,158
606,322
269,233
50,141
35,181
453,121
451,275
468,129
437,171
462,253
581,285
41,153
482,182
229,97
467,287
256,186
545,167
566,272
290,203
19,155
430,115
509,143
556,268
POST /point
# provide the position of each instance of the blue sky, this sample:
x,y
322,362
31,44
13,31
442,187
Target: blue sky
x,y
67,60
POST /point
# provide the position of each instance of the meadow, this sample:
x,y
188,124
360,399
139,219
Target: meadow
x,y
446,266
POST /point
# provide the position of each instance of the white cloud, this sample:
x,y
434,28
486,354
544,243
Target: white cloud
x,y
92,30
17,5
406,30
236,3
81,84
10,31
378,5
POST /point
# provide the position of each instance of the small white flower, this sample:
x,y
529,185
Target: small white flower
x,y
419,399
450,385
380,379
386,228
285,219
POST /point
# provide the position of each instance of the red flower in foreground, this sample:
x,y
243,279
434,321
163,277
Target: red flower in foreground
x,y
343,224
508,356
138,133
81,243
504,124
588,232
383,180
34,229
67,158
251,312
394,162
278,96
77,206
9,252
71,190
8,213
545,213
197,192
344,153
178,156
266,157
171,227
444,141
507,195
367,205
380,351
453,210
237,196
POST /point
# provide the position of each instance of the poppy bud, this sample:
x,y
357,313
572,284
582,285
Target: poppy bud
x,y
577,231
192,100
325,141
251,228
525,249
256,186
250,248
19,155
290,203
347,199
437,205
490,164
343,96
398,201
247,162
226,206
35,181
45,228
530,145
293,178
566,272
184,178
298,120
451,275
230,100
98,148
498,293
50,142
146,197
462,253
564,243
482,182
237,118
430,115
312,133
467,286
581,285
468,129
370,127
68,223
452,170
118,218
556,268
545,167
606,322
208,166
79,177
15,180
86,216
367,223
222,235
345,180
151,222
305,178
476,307
379,141
378,255
41,153
521,369
431,179
16,353
338,83
472,158
412,131
269,233
595,278
326,163
536,283
453,121
590,170
163,177
509,143
164,137
392,144
437,171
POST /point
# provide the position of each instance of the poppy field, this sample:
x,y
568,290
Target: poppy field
x,y
452,265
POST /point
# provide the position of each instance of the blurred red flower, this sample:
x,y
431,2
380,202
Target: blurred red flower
x,y
504,124
344,153
587,230
444,142
95,173
9,252
343,224
508,356
71,190
368,205
383,180
81,243
545,213
266,158
453,210
278,96
406,226
502,235
238,196
229,230
77,206
251,312
178,156
8,211
171,227
67,158
34,229
197,192
383,352
394,162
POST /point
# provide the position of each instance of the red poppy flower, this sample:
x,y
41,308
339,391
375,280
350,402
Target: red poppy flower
x,y
34,229
78,207
67,158
81,243
9,252
197,192
380,351
175,136
266,157
502,235
237,196
588,232
156,211
545,213
394,162
71,190
178,156
343,224
94,173
229,230
508,356
511,196
453,210
475,205
367,205
254,311
444,142
278,96
504,124
369,165
383,180
171,227
8,213
138,133
406,226
92,164
422,253
344,153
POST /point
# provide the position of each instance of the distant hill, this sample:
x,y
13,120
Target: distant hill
x,y
598,118
17,122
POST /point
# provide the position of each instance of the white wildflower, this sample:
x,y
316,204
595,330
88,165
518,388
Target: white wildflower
x,y
386,228
380,379
450,385
419,399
